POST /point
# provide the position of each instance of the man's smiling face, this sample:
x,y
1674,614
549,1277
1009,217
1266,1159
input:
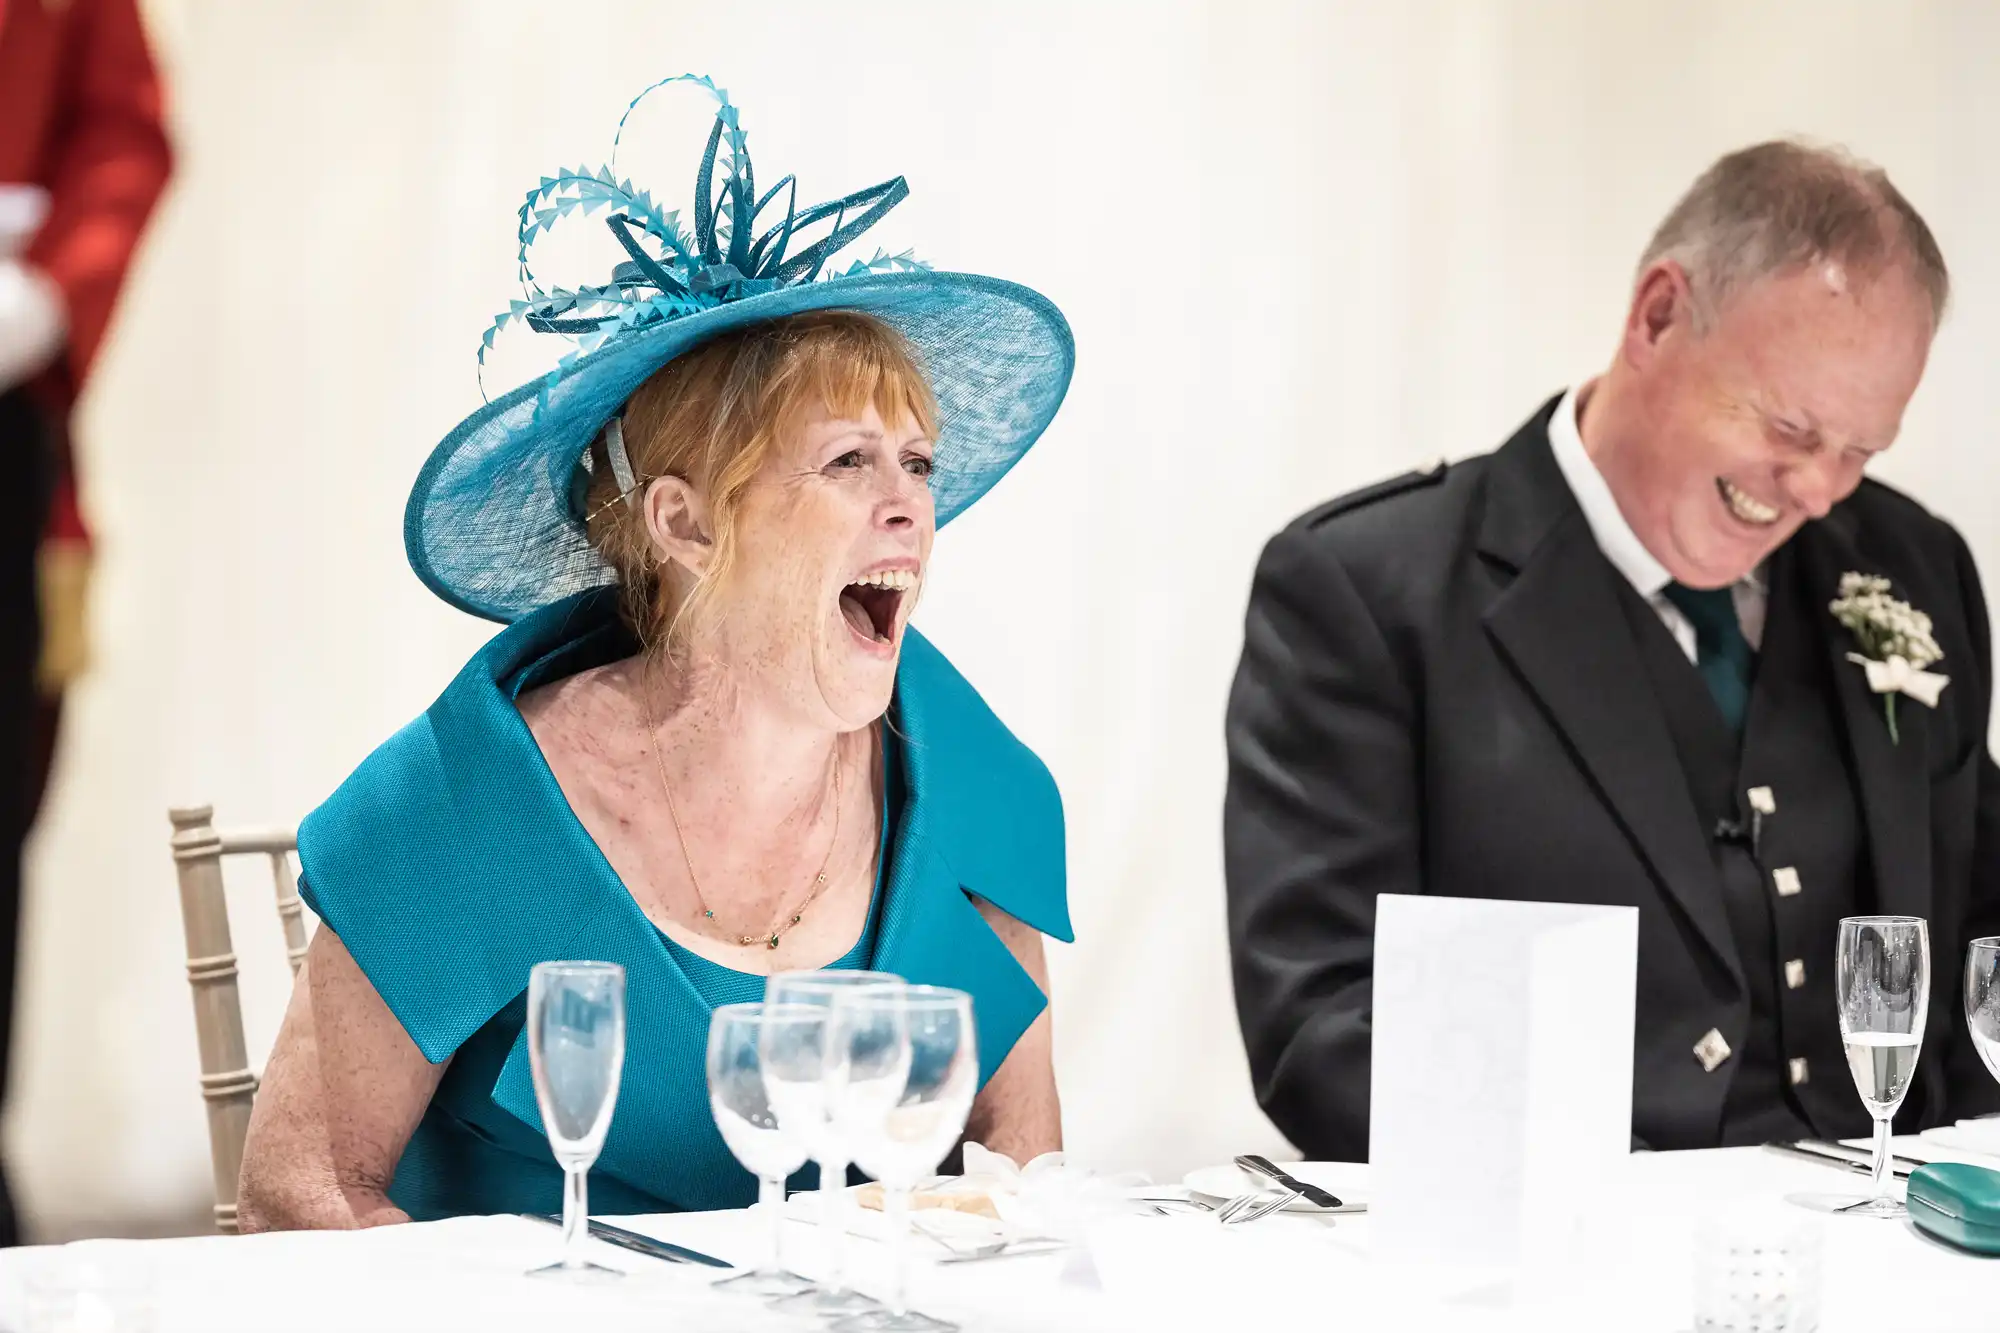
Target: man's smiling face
x,y
1766,418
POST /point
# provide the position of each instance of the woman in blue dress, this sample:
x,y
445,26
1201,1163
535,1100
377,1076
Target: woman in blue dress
x,y
708,745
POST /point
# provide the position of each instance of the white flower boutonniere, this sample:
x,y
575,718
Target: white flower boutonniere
x,y
1896,643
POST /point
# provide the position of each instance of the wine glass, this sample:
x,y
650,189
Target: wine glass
x,y
798,1097
741,1038
1982,999
576,1046
1882,978
902,1118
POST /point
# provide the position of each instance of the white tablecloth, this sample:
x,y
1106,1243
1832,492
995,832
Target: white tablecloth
x,y
1151,1273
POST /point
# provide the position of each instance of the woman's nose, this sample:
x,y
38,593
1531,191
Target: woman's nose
x,y
906,498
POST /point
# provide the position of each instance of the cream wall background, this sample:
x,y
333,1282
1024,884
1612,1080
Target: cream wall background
x,y
1303,245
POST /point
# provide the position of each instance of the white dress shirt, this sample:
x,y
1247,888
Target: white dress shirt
x,y
1622,547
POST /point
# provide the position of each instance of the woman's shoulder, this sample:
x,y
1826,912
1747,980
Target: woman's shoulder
x,y
443,861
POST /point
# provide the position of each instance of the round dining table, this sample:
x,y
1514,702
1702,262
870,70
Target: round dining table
x,y
1172,1270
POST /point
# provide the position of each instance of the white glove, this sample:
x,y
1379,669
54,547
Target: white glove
x,y
32,322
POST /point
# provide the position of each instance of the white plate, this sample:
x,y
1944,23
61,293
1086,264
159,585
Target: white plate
x,y
1348,1181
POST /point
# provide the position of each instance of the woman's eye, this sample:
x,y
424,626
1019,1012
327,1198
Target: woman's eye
x,y
852,458
918,466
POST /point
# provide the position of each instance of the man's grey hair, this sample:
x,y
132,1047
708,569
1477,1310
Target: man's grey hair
x,y
1782,205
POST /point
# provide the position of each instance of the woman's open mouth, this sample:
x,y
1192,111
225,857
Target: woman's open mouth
x,y
872,605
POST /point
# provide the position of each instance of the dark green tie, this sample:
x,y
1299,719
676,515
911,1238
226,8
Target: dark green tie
x,y
1721,653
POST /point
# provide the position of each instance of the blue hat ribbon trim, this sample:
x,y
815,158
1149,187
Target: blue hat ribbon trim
x,y
681,273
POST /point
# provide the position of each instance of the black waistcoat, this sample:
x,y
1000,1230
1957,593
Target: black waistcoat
x,y
1787,875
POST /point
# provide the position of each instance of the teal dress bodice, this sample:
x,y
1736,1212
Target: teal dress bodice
x,y
450,863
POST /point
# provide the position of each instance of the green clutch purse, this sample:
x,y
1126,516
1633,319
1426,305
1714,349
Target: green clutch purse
x,y
1958,1204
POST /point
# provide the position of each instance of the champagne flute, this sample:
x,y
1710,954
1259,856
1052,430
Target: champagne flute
x,y
1982,999
798,1093
903,1120
741,1039
1882,978
576,1046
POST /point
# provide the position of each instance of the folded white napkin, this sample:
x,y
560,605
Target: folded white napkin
x,y
1000,1200
1047,1197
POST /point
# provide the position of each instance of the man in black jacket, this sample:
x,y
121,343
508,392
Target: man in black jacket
x,y
1599,666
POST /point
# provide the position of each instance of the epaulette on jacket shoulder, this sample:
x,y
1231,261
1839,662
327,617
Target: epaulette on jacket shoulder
x,y
1430,474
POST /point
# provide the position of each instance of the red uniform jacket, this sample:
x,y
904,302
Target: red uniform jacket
x,y
80,117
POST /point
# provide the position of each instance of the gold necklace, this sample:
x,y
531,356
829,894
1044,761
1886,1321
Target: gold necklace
x,y
708,913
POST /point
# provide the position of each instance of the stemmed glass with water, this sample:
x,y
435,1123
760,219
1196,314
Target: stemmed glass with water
x,y
745,1040
1882,980
1982,999
576,1047
798,1092
912,1059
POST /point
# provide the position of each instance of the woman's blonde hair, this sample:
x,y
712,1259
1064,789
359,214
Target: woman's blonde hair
x,y
712,417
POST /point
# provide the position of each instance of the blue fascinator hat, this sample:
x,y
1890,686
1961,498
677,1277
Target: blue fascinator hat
x,y
495,522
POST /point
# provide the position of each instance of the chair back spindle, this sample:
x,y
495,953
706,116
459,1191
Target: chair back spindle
x,y
227,1084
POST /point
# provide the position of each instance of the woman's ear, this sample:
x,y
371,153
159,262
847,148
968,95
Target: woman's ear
x,y
677,523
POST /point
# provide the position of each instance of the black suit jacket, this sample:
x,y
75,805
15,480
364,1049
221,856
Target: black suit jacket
x,y
1437,695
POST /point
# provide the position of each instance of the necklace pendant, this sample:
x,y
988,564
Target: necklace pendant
x,y
772,943
710,915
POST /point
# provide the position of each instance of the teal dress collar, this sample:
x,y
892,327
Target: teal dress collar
x,y
450,863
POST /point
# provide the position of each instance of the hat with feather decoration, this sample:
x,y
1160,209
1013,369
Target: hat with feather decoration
x,y
495,522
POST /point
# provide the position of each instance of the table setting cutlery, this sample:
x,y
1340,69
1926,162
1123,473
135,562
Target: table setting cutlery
x,y
637,1243
1246,1208
1305,1188
964,1249
1313,1194
1006,1249
1167,1205
1832,1154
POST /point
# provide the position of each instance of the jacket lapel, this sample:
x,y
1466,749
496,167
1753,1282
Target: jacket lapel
x,y
1559,623
981,817
1892,776
562,899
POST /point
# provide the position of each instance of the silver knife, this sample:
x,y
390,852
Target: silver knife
x,y
1312,1194
638,1244
1863,1155
1815,1150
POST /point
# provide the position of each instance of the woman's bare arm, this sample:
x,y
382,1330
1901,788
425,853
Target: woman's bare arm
x,y
287,1181
342,1093
1018,1112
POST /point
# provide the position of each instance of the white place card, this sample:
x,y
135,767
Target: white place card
x,y
1500,1107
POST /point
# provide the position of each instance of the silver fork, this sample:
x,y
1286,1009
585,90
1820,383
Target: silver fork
x,y
1166,1206
959,1251
1249,1207
1003,1249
